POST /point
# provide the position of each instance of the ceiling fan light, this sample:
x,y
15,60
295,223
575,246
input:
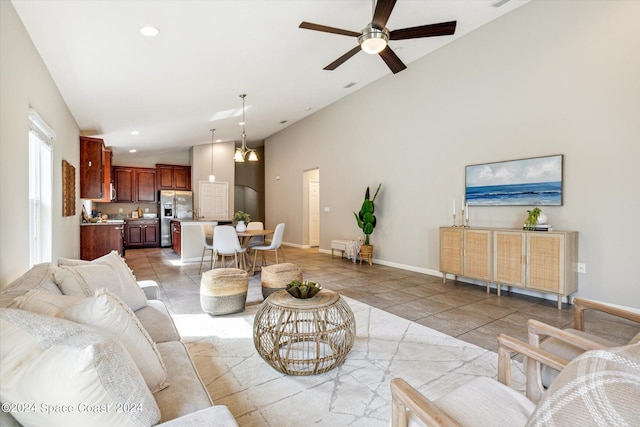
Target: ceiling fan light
x,y
373,40
253,157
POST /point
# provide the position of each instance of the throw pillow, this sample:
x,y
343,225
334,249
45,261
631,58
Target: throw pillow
x,y
45,302
83,280
109,313
599,387
60,373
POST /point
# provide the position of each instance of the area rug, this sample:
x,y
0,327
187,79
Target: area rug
x,y
354,394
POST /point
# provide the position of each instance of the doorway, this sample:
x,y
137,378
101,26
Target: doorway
x,y
311,207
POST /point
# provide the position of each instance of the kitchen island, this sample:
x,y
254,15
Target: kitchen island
x,y
190,245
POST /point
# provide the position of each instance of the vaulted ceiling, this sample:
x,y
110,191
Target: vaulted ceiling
x,y
175,87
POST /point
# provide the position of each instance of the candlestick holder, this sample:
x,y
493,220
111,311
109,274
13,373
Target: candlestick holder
x,y
454,220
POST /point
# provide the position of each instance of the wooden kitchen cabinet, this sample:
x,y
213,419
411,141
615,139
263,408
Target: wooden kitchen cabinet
x,y
466,252
176,238
135,185
540,261
95,170
142,233
97,240
173,177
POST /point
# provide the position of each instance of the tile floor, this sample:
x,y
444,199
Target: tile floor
x,y
457,309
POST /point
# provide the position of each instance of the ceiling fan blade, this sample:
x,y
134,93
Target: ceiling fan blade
x,y
325,29
382,13
441,29
391,59
335,64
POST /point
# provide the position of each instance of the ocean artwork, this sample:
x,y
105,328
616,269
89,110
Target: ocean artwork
x,y
526,182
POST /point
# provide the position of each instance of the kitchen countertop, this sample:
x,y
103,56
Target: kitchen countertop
x,y
108,222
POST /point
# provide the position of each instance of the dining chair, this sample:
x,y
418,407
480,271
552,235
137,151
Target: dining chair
x,y
207,242
227,243
276,243
257,240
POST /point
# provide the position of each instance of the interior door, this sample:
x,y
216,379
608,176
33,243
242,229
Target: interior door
x,y
214,200
314,213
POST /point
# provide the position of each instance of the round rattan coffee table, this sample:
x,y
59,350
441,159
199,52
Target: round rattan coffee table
x,y
304,336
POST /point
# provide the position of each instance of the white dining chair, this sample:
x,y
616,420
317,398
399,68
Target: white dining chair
x,y
276,244
256,240
226,243
207,242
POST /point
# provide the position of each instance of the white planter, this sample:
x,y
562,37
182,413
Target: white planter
x,y
241,227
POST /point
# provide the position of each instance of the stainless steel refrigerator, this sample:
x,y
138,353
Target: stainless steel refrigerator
x,y
174,204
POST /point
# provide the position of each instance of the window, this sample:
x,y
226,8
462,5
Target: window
x,y
40,189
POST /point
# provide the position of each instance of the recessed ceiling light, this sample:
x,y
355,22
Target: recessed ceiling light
x,y
149,31
135,132
218,140
283,122
307,109
133,150
350,85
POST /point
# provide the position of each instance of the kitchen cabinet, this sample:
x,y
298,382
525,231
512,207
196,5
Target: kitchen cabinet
x,y
97,240
466,252
135,185
142,233
540,261
95,170
173,177
176,238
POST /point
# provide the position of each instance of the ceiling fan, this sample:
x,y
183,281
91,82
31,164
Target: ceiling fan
x,y
375,36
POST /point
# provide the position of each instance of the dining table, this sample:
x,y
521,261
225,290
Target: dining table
x,y
245,239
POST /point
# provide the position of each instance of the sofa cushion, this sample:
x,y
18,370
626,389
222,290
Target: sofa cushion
x,y
108,313
75,375
158,322
83,280
40,276
187,392
126,287
46,303
599,387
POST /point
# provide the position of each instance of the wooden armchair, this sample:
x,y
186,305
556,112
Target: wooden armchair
x,y
569,343
612,374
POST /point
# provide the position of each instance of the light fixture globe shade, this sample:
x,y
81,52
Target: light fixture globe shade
x,y
238,157
253,157
212,178
372,40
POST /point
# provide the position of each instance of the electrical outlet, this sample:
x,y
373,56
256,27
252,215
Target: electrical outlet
x,y
582,268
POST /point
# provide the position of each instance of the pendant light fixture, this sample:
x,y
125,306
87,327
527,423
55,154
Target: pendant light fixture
x,y
212,177
241,153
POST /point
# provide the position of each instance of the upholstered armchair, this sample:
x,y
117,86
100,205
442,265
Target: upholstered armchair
x,y
571,342
599,386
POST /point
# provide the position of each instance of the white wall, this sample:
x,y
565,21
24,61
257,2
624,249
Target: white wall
x,y
549,78
25,82
223,167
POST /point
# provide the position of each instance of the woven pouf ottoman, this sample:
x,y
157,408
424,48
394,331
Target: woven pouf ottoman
x,y
276,277
223,291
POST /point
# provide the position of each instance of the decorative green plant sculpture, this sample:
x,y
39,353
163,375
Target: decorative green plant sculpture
x,y
532,219
366,219
303,290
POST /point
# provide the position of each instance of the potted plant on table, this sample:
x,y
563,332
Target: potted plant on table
x,y
241,219
367,222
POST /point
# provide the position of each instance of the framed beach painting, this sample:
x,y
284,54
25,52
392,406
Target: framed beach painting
x,y
535,181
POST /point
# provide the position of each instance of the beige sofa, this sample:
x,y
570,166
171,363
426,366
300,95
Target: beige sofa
x,y
184,402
